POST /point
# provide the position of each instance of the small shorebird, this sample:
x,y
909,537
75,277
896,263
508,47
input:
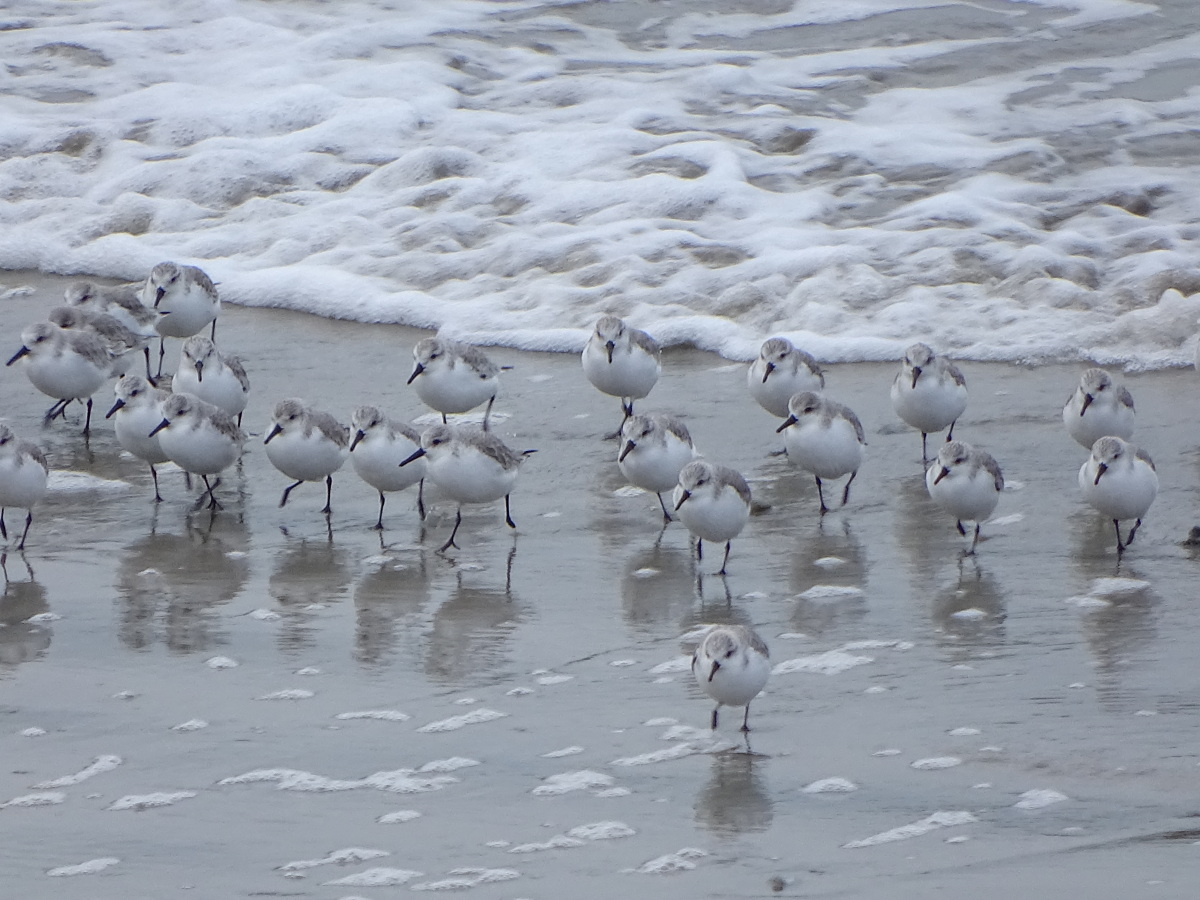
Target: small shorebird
x,y
452,377
825,438
377,450
186,300
966,482
137,410
67,365
120,340
212,376
307,445
199,438
1119,481
653,450
469,465
23,474
621,361
121,302
929,393
1098,408
731,665
780,372
713,503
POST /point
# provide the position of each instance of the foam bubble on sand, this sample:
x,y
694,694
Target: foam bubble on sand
x,y
567,782
91,867
398,781
43,618
1117,588
99,765
264,615
969,615
382,715
933,763
377,877
336,857
1039,799
831,662
964,731
675,751
830,593
451,764
45,798
398,817
601,831
565,751
466,878
190,725
555,679
140,802
679,664
288,694
833,785
221,662
679,861
829,562
32,732
64,481
474,717
557,842
915,829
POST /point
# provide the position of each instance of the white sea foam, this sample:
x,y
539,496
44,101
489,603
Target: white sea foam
x,y
398,781
510,177
382,715
679,861
1039,799
465,878
140,802
98,766
42,798
91,867
474,717
832,785
915,829
336,857
566,782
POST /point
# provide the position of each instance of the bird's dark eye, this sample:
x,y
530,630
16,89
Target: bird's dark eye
x,y
134,393
728,653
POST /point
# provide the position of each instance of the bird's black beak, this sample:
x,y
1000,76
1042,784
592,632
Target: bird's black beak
x,y
158,295
420,451
359,435
1087,401
274,431
415,372
787,423
916,375
1100,470
24,350
716,665
199,370
115,407
610,347
767,373
682,500
629,445
159,427
942,474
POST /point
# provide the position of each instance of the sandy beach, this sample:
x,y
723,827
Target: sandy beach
x,y
234,704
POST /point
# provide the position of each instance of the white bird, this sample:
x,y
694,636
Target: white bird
x,y
67,365
121,302
1098,408
929,393
621,361
713,503
966,482
23,474
199,438
469,465
122,342
731,665
780,372
377,451
825,438
1119,481
452,377
137,410
186,300
307,445
212,376
653,450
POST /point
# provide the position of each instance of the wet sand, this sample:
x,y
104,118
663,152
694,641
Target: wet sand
x,y
997,676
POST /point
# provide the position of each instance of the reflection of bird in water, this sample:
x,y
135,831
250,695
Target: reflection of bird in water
x,y
656,586
173,584
307,577
470,629
20,639
734,801
829,575
970,612
389,596
1116,630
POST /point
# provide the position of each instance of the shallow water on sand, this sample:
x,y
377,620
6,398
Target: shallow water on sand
x,y
312,708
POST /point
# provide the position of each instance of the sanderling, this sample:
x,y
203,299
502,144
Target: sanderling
x,y
199,438
966,482
1098,408
731,665
121,302
653,450
929,393
621,361
469,466
307,445
121,341
212,376
713,503
186,301
68,365
1119,481
138,409
823,437
453,377
780,372
23,473
377,450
